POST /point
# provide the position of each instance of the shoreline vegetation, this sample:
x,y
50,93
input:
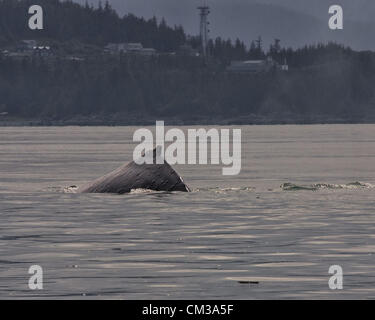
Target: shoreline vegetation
x,y
209,121
73,80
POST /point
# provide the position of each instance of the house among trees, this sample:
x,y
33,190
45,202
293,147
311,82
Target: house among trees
x,y
148,52
260,62
130,48
256,66
26,45
23,49
26,49
285,66
188,51
42,51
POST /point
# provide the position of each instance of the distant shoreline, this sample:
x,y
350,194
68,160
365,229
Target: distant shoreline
x,y
204,121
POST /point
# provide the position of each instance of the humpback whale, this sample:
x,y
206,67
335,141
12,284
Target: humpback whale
x,y
131,176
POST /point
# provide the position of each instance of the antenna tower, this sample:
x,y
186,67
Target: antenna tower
x,y
204,11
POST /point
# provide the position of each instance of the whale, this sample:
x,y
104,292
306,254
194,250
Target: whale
x,y
132,176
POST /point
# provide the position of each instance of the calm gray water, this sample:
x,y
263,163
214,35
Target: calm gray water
x,y
304,201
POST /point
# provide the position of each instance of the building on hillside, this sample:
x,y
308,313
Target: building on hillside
x,y
114,48
128,48
148,52
28,49
256,66
74,58
42,51
20,55
133,47
284,66
187,50
26,45
249,66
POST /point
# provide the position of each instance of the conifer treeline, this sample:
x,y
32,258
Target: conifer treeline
x,y
67,21
164,87
329,81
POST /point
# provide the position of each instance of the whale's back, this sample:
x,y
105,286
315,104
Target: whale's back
x,y
158,177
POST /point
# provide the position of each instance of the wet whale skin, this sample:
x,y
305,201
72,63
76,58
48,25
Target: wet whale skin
x,y
131,176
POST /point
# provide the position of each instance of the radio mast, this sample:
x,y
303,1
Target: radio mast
x,y
204,12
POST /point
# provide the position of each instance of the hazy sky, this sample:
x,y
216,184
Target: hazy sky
x,y
355,9
296,22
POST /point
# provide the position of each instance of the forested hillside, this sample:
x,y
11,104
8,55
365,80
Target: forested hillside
x,y
69,21
325,83
131,90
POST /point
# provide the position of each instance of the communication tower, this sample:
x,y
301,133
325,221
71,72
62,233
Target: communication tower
x,y
204,12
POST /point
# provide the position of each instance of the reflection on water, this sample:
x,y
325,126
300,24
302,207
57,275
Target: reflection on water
x,y
238,237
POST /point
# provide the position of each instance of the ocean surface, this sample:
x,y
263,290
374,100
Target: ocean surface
x,y
304,201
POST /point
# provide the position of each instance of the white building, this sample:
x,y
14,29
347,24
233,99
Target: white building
x,y
256,66
131,48
28,44
148,52
284,66
249,66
